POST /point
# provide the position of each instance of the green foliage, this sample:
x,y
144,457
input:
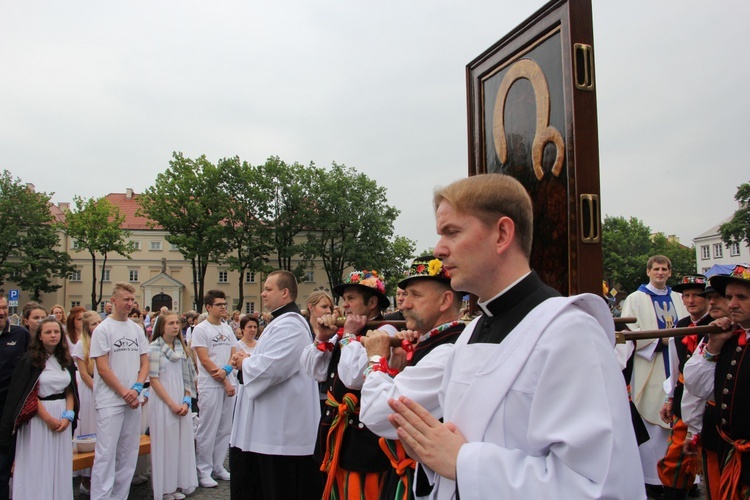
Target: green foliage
x,y
290,209
96,225
186,200
247,234
737,230
626,247
28,239
353,225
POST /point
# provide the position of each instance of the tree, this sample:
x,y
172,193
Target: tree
x,y
247,233
28,238
737,230
627,244
625,251
682,257
96,226
187,202
352,224
287,187
397,262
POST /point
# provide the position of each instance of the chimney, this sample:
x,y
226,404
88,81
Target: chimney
x,y
64,206
129,193
30,187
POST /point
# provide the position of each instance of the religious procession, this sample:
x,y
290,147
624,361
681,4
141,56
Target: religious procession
x,y
502,369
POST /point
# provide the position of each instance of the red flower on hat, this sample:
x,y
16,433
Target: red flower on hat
x,y
420,268
354,278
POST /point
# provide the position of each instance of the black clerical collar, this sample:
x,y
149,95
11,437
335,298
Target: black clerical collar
x,y
511,296
290,307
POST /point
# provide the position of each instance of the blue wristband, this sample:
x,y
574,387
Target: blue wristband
x,y
187,400
138,387
228,369
69,414
145,393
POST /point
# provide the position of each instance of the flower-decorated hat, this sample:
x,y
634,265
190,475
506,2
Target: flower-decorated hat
x,y
365,279
740,274
426,267
691,281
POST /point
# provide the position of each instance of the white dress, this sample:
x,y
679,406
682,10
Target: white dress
x,y
87,411
43,457
172,438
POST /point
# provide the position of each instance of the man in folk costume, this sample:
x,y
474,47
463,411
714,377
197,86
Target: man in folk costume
x,y
531,394
655,306
700,414
723,368
431,309
677,469
349,453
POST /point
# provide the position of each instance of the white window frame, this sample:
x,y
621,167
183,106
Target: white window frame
x,y
310,277
155,246
718,251
249,277
133,278
136,244
223,276
75,275
705,252
249,307
75,303
734,249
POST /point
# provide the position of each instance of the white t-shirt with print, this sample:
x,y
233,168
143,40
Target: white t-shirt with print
x,y
124,342
218,340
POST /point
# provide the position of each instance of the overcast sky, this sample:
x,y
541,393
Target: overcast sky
x,y
95,96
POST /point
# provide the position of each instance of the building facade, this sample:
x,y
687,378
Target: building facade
x,y
157,269
710,250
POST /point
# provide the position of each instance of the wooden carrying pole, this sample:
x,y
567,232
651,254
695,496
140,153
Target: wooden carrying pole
x,y
621,337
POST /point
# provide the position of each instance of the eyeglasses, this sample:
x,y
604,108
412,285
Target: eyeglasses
x,y
223,305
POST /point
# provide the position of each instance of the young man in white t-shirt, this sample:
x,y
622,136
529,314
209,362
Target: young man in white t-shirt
x,y
120,350
213,343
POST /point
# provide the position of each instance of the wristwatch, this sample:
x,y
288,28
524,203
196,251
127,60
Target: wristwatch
x,y
375,359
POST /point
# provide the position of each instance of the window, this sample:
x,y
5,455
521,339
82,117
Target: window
x,y
74,245
249,307
249,277
155,245
133,276
705,252
734,249
101,306
15,275
105,275
173,248
310,276
136,245
223,277
75,303
75,275
718,251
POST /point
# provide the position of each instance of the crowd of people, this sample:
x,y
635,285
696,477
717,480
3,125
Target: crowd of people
x,y
526,400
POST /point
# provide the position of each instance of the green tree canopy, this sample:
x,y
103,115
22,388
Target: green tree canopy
x,y
627,245
352,225
737,230
248,235
186,200
96,225
28,239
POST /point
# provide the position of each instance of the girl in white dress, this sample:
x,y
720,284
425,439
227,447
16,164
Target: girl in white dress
x,y
87,415
44,446
172,377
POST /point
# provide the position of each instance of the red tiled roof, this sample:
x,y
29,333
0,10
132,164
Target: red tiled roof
x,y
58,214
128,208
